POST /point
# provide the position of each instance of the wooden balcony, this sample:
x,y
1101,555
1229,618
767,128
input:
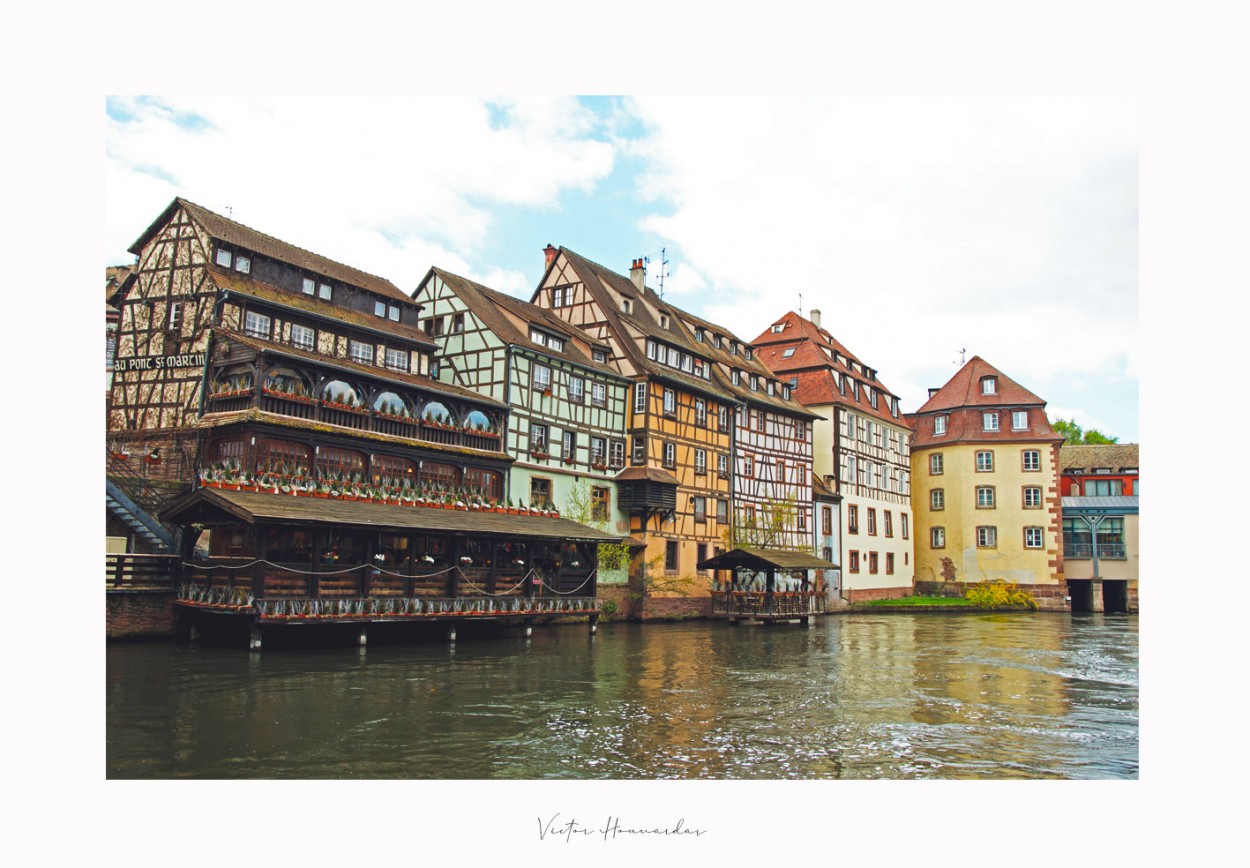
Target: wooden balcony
x,y
134,572
764,606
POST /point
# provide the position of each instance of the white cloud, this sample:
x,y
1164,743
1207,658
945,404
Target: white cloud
x,y
918,226
389,185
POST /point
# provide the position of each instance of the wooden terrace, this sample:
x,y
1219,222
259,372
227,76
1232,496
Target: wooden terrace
x,y
749,602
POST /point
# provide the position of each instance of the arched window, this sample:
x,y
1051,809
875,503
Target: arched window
x,y
340,392
477,421
236,379
287,381
436,411
389,402
282,456
340,461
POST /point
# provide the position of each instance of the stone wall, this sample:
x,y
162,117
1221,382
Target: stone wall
x,y
1050,598
863,595
669,608
139,614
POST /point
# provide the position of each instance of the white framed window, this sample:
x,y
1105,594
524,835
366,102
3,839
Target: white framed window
x,y
568,445
755,383
722,464
640,397
700,461
935,464
789,352
379,309
538,437
985,461
258,325
542,378
557,296
598,450
989,385
323,291
397,360
392,313
937,499
1032,459
937,537
243,264
638,454
778,328
670,402
1019,420
616,453
175,316
598,395
303,337
989,420
577,390
599,355
722,418
543,339
748,465
1033,538
939,424
700,411
224,257
360,352
1032,497
985,497
670,455
987,537
310,286
736,377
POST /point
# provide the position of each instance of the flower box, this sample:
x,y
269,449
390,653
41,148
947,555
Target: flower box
x,y
289,396
229,393
348,408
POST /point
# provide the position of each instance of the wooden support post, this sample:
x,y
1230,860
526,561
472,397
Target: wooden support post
x,y
451,634
363,639
594,624
254,638
529,627
194,635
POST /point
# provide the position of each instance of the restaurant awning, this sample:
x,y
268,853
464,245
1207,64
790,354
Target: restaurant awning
x,y
211,505
764,559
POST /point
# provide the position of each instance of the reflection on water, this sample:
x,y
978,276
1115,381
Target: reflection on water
x,y
860,696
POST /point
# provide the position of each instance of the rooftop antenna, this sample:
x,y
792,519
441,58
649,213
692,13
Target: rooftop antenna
x,y
646,260
800,304
962,361
230,212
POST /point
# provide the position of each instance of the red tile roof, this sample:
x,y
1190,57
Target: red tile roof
x,y
962,402
964,390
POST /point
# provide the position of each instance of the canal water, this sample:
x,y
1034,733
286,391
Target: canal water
x,y
852,697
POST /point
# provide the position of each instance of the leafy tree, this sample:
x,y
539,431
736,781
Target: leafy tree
x,y
1074,434
580,508
773,527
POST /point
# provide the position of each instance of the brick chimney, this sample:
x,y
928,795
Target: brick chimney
x,y
638,274
815,317
550,252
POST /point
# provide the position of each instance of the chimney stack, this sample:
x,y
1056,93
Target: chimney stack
x,y
550,252
815,317
638,274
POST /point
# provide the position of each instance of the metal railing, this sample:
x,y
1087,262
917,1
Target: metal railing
x,y
133,572
781,603
1111,551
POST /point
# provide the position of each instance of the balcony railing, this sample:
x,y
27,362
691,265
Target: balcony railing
x,y
1111,551
134,572
360,419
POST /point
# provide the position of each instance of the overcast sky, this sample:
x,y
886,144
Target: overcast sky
x,y
922,228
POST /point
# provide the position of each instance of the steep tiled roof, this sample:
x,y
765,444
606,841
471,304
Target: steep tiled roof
x,y
964,390
653,474
813,366
225,229
680,333
965,425
487,304
1117,456
244,285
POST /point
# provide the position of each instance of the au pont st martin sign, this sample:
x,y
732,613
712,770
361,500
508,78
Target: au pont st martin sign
x,y
159,363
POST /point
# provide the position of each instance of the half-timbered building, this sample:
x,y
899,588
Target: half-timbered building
x,y
295,394
680,417
566,429
862,449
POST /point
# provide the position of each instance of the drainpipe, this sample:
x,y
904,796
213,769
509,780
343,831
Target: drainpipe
x,y
1093,529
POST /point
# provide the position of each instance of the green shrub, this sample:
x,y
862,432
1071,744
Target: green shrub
x,y
608,608
997,593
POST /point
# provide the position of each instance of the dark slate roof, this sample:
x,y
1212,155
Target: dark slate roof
x,y
1116,456
252,506
487,303
1125,503
762,559
240,284
225,229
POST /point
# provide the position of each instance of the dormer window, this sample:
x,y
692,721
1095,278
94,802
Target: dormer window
x,y
736,377
323,291
779,328
310,286
785,392
663,321
771,388
748,353
989,385
599,355
789,353
755,383
733,348
379,308
243,264
698,335
543,339
224,257
716,341
939,424
626,307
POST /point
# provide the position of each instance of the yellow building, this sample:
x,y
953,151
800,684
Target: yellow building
x,y
985,473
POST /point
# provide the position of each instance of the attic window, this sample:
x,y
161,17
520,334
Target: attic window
x,y
785,392
223,257
543,339
779,328
733,348
788,353
310,286
716,341
243,264
599,355
625,307
794,382
392,313
748,353
663,321
323,291
698,335
989,385
770,387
